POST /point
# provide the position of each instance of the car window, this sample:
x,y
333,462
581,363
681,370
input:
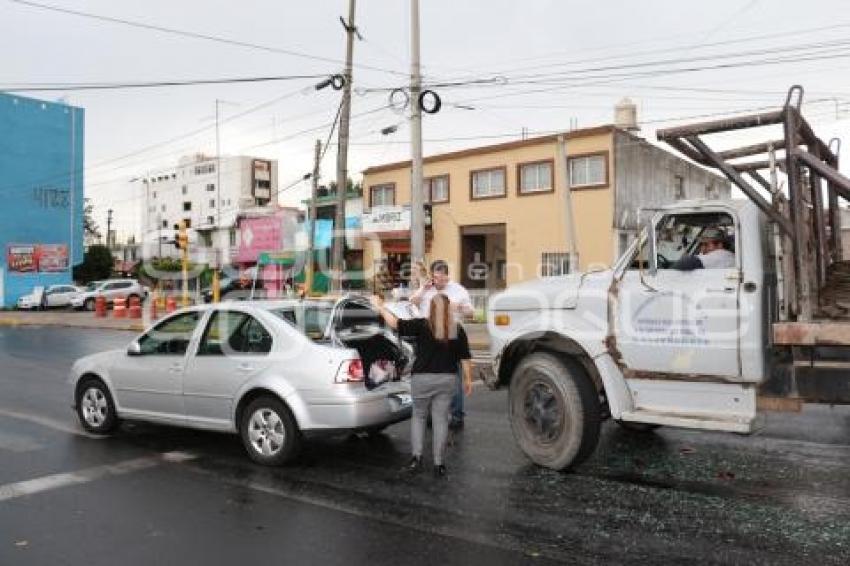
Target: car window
x,y
170,337
311,320
234,333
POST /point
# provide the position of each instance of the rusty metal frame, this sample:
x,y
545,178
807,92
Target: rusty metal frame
x,y
800,220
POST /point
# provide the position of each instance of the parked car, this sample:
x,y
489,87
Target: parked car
x,y
274,372
110,289
53,296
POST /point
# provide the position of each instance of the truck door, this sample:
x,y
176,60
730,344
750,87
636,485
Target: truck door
x,y
678,313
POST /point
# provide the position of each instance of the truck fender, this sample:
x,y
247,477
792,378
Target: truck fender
x,y
601,369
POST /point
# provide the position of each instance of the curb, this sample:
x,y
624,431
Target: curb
x,y
13,322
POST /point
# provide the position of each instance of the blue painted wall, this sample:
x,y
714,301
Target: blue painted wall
x,y
41,186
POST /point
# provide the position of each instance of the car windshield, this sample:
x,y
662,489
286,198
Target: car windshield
x,y
93,285
312,320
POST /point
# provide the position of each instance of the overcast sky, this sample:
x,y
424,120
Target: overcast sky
x,y
548,63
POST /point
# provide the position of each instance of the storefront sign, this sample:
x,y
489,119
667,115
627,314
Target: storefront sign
x,y
257,235
386,219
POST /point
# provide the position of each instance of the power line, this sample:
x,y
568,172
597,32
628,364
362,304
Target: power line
x,y
152,84
197,35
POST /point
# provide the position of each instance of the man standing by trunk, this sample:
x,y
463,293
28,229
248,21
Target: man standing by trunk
x,y
461,303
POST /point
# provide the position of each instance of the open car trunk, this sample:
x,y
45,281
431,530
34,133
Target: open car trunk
x,y
385,357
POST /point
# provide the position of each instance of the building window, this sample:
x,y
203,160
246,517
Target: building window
x,y
264,184
187,222
165,223
554,263
437,189
382,195
187,206
184,189
589,170
488,183
163,208
210,220
212,203
679,186
536,177
232,237
154,194
210,186
205,169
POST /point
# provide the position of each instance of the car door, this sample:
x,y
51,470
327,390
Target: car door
x,y
60,296
149,380
234,347
677,321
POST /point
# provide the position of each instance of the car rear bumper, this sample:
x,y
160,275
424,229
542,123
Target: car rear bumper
x,y
357,412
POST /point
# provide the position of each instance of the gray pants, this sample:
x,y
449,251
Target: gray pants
x,y
431,391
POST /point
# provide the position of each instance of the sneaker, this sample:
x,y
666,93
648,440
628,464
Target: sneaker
x,y
415,464
439,471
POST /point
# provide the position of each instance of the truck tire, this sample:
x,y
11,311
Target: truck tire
x,y
554,410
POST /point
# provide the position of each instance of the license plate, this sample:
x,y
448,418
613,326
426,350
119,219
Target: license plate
x,y
404,400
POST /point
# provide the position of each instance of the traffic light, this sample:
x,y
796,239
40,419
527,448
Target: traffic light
x,y
181,239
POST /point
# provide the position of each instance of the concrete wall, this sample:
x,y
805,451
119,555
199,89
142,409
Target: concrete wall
x,y
41,186
646,176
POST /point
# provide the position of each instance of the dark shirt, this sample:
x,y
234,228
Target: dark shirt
x,y
434,356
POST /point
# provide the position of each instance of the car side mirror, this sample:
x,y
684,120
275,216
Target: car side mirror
x,y
134,349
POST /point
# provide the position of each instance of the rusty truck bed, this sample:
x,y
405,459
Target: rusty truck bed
x,y
831,326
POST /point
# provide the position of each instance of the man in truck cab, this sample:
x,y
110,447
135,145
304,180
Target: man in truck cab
x,y
714,253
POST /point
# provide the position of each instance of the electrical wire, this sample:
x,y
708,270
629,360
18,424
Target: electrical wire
x,y
197,35
152,84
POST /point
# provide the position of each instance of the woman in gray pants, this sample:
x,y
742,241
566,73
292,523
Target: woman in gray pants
x,y
441,349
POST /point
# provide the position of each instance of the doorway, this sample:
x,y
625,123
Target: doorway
x,y
483,257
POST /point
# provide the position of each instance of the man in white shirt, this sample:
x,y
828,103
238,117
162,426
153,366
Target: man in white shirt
x,y
439,282
713,253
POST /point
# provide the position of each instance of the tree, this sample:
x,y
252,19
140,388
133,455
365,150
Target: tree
x,y
97,264
90,228
351,187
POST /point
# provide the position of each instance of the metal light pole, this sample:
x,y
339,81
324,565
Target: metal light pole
x,y
417,212
342,153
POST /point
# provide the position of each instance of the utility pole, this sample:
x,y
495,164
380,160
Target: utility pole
x,y
109,228
569,214
342,153
216,291
308,275
417,212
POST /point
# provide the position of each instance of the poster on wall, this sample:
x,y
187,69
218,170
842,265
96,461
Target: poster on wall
x,y
52,257
32,258
21,258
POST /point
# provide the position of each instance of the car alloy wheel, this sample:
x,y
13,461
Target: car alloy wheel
x,y
266,432
95,407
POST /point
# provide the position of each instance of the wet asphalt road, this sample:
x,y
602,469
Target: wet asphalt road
x,y
170,496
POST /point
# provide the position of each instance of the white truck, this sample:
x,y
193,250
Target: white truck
x,y
650,343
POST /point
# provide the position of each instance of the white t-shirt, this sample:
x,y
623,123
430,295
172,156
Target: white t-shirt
x,y
456,293
717,259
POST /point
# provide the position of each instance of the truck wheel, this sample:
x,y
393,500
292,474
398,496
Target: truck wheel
x,y
554,411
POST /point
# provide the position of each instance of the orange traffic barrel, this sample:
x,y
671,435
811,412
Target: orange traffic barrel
x,y
170,304
100,306
119,307
135,308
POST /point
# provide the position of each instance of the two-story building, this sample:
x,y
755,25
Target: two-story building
x,y
499,213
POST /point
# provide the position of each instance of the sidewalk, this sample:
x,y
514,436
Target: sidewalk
x,y
479,339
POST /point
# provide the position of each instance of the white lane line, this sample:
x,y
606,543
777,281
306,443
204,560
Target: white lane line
x,y
61,426
55,481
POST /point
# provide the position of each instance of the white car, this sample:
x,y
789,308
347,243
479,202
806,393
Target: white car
x,y
273,372
110,289
53,296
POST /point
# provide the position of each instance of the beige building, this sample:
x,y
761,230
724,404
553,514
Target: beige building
x,y
498,213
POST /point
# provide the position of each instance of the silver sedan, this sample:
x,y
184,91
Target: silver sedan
x,y
273,372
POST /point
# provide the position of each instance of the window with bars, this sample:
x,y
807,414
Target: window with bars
x,y
382,195
437,189
535,177
588,171
553,264
488,183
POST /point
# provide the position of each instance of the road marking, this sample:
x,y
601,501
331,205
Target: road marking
x,y
61,426
55,481
18,443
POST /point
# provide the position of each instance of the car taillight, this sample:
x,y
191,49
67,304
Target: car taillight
x,y
351,371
